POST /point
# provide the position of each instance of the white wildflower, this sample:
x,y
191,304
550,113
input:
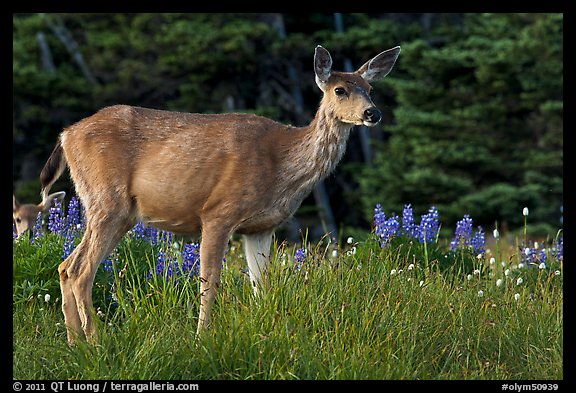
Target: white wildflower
x,y
492,261
350,240
499,282
519,281
542,266
496,234
525,211
507,272
47,297
334,253
521,265
476,272
480,293
516,296
536,245
392,272
557,272
422,283
411,266
469,277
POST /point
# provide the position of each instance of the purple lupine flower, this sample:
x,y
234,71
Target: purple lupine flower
x,y
385,228
37,231
74,218
542,256
165,266
389,230
108,263
191,259
166,237
141,231
379,217
463,233
56,218
69,245
408,225
530,255
558,249
429,226
478,242
299,258
14,233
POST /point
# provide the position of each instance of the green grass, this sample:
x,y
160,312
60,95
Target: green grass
x,y
343,317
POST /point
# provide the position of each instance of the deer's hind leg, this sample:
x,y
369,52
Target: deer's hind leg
x,y
77,272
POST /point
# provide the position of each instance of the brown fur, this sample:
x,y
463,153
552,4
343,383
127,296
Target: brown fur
x,y
185,173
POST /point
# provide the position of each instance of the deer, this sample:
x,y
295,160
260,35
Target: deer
x,y
208,174
24,215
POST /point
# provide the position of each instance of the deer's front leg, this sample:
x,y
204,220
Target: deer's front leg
x,y
212,248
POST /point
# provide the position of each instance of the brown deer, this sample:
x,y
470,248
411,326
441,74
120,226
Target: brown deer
x,y
24,214
216,174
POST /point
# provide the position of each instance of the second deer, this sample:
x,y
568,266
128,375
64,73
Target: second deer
x,y
24,215
216,174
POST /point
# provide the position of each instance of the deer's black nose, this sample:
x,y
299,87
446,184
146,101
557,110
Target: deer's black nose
x,y
372,115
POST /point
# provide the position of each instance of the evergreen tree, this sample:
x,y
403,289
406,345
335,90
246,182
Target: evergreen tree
x,y
478,123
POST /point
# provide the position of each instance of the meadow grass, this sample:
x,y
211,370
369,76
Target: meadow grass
x,y
364,312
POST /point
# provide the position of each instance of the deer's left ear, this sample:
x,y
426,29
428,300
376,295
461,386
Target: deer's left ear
x,y
322,66
379,66
15,203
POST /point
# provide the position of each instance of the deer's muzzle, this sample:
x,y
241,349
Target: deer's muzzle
x,y
372,116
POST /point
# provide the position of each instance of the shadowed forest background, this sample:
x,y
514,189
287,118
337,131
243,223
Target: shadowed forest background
x,y
473,110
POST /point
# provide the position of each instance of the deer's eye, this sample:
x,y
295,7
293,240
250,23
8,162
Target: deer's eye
x,y
18,220
340,91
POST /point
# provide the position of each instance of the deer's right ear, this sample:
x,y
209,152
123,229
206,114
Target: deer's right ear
x,y
322,66
47,204
15,205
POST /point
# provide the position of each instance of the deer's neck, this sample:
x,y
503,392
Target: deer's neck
x,y
315,153
325,142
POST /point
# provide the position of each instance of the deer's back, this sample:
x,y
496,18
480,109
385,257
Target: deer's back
x,y
178,168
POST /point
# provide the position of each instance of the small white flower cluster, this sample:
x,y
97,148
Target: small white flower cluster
x,y
47,297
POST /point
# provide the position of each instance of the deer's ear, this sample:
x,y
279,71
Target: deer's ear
x,y
47,204
379,66
15,204
322,66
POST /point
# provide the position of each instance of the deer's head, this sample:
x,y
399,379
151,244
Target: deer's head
x,y
24,215
347,94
